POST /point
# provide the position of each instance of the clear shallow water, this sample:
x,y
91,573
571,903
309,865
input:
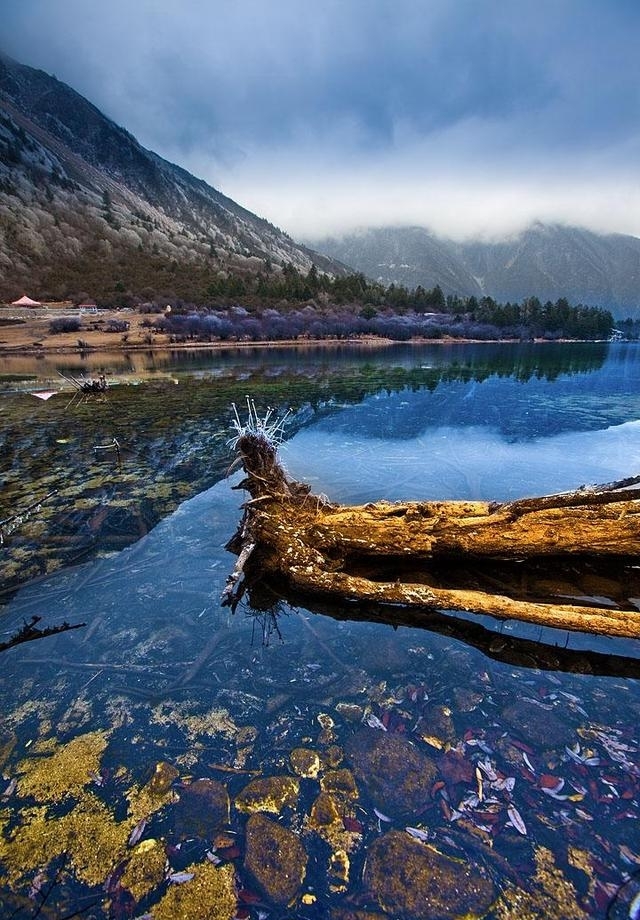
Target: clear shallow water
x,y
528,779
467,462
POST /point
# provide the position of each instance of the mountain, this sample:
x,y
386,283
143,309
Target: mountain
x,y
84,207
549,261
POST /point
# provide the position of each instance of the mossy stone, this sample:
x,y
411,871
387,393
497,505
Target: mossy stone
x,y
409,879
203,809
541,727
305,762
275,858
163,776
397,775
269,793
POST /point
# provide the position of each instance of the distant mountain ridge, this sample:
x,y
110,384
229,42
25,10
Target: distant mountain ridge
x,y
82,203
548,261
85,208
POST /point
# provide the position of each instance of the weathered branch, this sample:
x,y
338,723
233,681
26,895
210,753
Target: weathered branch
x,y
232,593
541,560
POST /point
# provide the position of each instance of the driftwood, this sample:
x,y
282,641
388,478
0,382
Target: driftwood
x,y
568,561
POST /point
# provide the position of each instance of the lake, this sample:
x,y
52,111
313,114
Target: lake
x,y
168,758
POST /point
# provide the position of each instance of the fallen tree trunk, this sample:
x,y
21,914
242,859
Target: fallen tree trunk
x,y
567,561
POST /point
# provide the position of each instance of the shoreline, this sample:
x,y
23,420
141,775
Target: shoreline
x,y
30,337
33,352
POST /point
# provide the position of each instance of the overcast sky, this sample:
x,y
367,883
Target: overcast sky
x,y
471,117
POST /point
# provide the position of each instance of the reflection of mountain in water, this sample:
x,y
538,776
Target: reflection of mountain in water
x,y
173,431
472,462
388,366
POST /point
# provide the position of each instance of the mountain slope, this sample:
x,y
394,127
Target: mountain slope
x,y
546,261
82,203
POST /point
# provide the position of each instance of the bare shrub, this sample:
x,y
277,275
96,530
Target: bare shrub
x,y
64,324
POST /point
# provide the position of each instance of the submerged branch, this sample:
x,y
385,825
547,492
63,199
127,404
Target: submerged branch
x,y
30,631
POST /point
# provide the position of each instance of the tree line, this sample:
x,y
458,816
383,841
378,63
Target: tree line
x,y
237,323
530,316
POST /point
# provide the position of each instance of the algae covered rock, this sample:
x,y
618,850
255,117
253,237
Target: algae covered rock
x,y
163,776
93,841
409,879
351,712
438,729
275,858
145,869
269,793
394,772
209,895
340,782
66,771
326,819
203,809
305,762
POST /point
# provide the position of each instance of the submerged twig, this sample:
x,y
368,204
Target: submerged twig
x,y
9,524
115,445
232,595
30,631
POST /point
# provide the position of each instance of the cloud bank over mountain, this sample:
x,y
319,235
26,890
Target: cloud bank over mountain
x,y
473,118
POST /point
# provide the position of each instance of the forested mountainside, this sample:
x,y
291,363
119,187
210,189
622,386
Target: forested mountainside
x,y
84,207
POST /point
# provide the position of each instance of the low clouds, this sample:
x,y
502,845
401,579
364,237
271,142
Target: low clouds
x,y
471,117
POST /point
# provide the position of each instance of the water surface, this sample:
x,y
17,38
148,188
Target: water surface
x,y
528,771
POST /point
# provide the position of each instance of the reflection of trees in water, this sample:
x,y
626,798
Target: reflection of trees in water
x,y
527,361
174,437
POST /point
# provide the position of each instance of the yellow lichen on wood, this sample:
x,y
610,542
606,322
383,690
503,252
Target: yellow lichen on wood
x,y
622,623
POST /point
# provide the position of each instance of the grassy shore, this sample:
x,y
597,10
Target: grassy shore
x,y
27,331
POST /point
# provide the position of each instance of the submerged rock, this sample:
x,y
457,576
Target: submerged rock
x,y
163,776
394,772
270,793
275,858
203,809
541,727
66,771
350,711
326,819
340,782
409,879
305,762
209,895
145,869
